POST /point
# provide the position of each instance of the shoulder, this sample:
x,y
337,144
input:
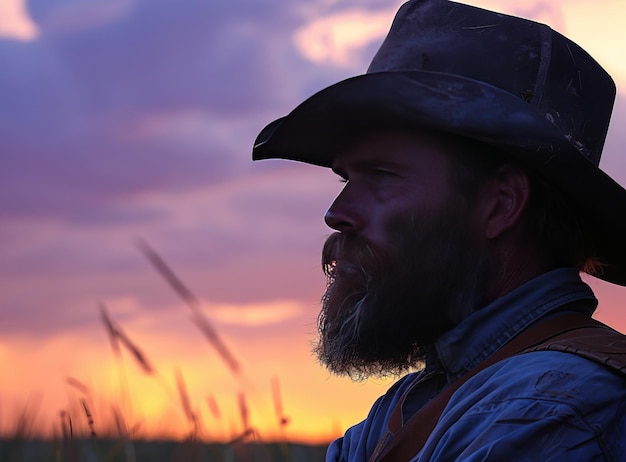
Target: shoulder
x,y
541,372
540,404
584,355
554,377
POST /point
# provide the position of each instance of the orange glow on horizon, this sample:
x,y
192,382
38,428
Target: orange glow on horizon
x,y
84,367
150,405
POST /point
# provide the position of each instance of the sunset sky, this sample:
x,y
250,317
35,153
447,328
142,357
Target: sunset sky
x,y
126,119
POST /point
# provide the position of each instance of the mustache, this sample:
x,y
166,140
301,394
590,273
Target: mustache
x,y
349,254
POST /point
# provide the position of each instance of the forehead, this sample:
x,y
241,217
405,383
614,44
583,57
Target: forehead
x,y
418,150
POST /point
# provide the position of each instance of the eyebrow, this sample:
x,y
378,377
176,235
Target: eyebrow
x,y
365,164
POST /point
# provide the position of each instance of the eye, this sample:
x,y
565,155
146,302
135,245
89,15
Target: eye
x,y
382,173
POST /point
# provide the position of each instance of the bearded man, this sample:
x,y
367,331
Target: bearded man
x,y
473,200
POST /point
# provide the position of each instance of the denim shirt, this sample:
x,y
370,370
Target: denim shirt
x,y
540,406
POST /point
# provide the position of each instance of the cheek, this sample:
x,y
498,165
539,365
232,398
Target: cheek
x,y
417,204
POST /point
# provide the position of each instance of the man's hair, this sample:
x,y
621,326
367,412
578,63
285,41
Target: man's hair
x,y
559,227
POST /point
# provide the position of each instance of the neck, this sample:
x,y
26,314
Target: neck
x,y
514,266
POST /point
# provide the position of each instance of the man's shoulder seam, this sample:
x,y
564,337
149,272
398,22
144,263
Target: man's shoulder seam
x,y
598,343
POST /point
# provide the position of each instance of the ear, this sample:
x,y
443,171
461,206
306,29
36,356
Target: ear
x,y
503,201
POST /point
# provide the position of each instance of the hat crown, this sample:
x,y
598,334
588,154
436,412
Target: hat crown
x,y
524,58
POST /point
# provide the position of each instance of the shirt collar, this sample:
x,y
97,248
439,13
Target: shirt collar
x,y
486,330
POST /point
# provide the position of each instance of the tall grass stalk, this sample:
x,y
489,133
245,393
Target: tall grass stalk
x,y
191,416
193,302
124,436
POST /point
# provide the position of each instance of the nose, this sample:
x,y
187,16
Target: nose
x,y
343,214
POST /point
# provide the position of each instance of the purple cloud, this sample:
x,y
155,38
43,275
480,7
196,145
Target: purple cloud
x,y
78,103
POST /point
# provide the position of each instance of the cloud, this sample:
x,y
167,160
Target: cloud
x,y
256,315
68,16
15,23
263,232
115,101
544,12
340,38
119,99
613,161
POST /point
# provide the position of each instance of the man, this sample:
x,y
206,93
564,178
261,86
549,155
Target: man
x,y
472,201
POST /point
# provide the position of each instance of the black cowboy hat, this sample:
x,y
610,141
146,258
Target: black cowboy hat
x,y
509,82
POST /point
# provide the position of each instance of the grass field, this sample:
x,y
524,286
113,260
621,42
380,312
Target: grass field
x,y
111,450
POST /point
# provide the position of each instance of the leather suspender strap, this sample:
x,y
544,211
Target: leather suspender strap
x,y
596,342
573,333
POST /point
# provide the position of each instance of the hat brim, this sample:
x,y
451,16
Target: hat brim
x,y
317,128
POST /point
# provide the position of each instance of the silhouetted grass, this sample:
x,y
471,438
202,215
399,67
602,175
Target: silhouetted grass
x,y
111,450
80,435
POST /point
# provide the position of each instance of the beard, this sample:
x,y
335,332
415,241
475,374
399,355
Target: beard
x,y
383,308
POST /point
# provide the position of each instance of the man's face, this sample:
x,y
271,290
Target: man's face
x,y
405,264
